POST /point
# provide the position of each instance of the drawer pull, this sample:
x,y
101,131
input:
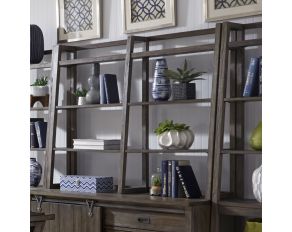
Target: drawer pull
x,y
144,220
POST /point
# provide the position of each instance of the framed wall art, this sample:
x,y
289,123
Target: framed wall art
x,y
143,15
79,20
228,9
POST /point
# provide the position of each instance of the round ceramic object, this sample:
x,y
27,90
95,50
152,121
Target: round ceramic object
x,y
35,172
176,139
257,183
161,89
39,91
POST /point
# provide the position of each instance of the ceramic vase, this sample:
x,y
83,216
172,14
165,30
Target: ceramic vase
x,y
176,139
35,172
36,44
39,91
92,96
257,184
161,84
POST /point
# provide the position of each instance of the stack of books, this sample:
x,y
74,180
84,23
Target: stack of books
x,y
38,133
253,83
179,180
109,92
97,144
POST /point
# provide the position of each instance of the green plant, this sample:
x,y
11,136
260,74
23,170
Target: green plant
x,y
184,75
168,125
156,181
80,92
43,81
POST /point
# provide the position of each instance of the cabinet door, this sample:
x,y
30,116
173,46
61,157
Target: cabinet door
x,y
70,217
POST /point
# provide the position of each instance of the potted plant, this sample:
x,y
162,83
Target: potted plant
x,y
174,135
40,87
155,189
81,95
181,86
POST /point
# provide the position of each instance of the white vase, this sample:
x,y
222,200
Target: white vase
x,y
39,91
257,184
176,139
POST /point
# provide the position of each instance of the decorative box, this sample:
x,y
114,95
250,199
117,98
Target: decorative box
x,y
87,184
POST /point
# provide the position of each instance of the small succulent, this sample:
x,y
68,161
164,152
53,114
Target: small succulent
x,y
184,75
168,125
43,81
80,92
156,181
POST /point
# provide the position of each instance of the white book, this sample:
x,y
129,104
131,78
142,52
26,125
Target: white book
x,y
96,142
96,147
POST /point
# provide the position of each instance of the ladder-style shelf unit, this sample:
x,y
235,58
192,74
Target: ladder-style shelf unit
x,y
71,49
233,42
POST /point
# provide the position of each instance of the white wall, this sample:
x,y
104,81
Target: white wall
x,y
97,123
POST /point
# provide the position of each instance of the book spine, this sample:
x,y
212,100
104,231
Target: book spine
x,y
169,172
250,88
174,179
41,131
260,76
33,136
164,177
182,182
102,90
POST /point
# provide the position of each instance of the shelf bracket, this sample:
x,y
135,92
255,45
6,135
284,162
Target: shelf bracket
x,y
90,205
39,200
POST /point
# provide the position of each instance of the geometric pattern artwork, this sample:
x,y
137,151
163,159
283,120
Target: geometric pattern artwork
x,y
86,184
78,15
223,4
145,10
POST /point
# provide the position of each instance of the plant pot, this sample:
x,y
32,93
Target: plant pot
x,y
36,44
81,100
155,190
39,90
182,91
176,139
35,172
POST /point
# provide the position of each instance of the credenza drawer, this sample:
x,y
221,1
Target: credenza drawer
x,y
168,222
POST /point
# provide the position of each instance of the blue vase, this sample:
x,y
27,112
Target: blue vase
x,y
161,84
35,172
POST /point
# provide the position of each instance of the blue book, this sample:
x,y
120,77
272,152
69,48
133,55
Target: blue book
x,y
175,187
251,83
111,88
164,177
189,182
102,90
260,76
41,131
169,178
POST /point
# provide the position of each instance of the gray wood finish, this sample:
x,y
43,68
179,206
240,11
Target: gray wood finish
x,y
71,120
125,116
51,130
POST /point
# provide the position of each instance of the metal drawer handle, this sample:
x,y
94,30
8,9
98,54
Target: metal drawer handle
x,y
144,220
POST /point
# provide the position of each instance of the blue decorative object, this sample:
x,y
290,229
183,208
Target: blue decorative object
x,y
161,84
144,10
87,184
35,172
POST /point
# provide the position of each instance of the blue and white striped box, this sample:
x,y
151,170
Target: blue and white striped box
x,y
87,184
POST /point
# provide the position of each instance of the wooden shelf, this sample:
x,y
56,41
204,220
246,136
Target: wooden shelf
x,y
38,149
167,151
245,208
190,101
40,66
241,152
39,108
243,99
92,106
90,150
